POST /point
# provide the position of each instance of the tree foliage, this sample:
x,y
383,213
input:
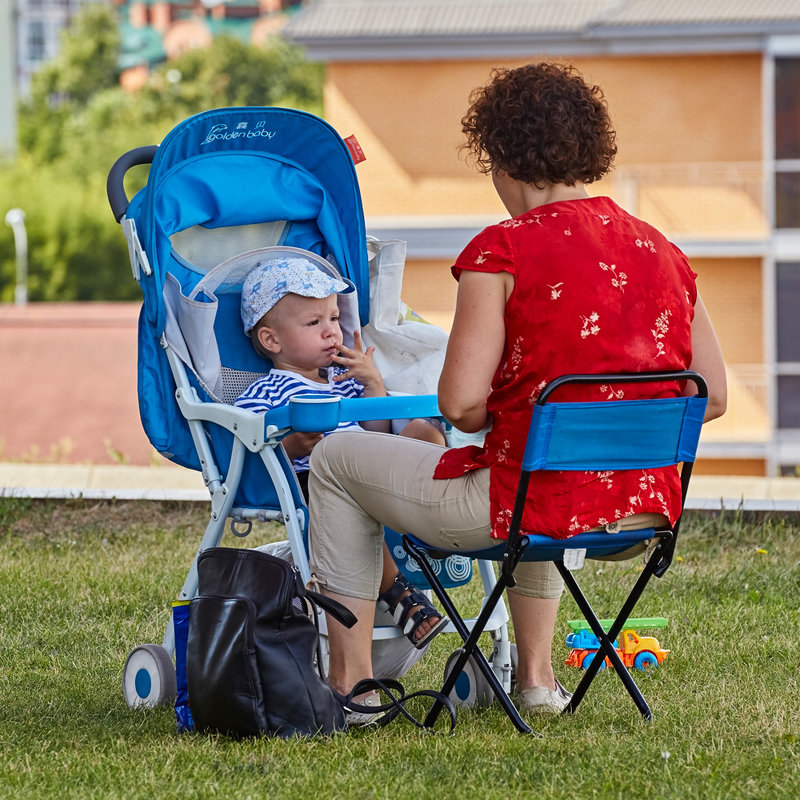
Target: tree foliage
x,y
232,73
78,120
64,86
87,60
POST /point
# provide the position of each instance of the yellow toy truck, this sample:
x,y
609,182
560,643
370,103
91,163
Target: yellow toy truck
x,y
640,652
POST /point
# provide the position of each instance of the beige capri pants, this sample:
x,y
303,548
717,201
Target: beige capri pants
x,y
361,481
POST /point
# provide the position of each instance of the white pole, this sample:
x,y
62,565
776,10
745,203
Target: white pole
x,y
15,219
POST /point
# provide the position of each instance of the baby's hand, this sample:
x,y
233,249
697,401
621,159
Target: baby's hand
x,y
360,365
300,444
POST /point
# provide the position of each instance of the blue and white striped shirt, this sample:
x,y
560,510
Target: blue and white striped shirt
x,y
275,389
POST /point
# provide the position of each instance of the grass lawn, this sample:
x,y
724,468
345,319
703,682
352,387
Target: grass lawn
x,y
84,582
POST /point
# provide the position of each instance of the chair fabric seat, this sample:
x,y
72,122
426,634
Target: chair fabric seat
x,y
546,548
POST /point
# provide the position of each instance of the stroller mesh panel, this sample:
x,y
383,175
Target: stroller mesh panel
x,y
234,382
204,248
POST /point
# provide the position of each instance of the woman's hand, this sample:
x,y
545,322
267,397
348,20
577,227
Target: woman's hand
x,y
360,365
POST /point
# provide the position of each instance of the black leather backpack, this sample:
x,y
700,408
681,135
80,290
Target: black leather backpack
x,y
251,651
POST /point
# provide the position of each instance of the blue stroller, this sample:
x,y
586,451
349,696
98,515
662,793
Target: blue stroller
x,y
226,188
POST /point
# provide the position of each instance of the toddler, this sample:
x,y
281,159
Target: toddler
x,y
290,312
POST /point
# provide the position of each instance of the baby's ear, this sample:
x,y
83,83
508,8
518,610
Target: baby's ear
x,y
268,340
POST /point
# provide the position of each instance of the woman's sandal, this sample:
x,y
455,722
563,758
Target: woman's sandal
x,y
399,605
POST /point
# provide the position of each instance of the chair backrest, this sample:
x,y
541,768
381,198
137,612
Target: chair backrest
x,y
615,435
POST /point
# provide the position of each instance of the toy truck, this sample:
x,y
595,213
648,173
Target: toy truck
x,y
641,652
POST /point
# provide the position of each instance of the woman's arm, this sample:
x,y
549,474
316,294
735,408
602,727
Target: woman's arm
x,y
474,349
707,360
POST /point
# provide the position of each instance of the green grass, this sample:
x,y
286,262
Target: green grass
x,y
81,583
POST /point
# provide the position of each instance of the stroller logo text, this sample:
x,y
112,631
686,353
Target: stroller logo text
x,y
220,132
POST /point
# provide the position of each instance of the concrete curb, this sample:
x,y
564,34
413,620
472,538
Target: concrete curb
x,y
166,482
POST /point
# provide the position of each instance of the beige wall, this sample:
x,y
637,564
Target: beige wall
x,y
678,109
406,115
732,291
756,467
430,289
681,121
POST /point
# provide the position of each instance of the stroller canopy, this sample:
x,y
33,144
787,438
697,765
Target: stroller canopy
x,y
244,166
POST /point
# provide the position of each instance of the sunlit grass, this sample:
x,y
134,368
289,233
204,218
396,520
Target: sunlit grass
x,y
83,583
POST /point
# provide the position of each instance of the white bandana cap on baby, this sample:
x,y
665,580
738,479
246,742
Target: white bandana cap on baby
x,y
274,278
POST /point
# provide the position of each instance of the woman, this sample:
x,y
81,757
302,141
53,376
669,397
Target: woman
x,y
569,284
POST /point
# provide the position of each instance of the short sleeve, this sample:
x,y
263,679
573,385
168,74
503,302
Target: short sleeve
x,y
489,251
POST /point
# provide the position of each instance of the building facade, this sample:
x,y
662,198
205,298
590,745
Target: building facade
x,y
151,30
706,102
37,34
8,89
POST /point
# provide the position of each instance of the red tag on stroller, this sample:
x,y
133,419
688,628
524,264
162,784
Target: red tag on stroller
x,y
356,153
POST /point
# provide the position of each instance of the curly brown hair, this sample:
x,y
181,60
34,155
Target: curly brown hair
x,y
541,124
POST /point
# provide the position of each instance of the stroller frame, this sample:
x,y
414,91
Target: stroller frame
x,y
220,440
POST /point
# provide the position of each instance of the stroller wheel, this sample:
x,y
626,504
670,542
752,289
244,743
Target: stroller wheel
x,y
472,688
148,677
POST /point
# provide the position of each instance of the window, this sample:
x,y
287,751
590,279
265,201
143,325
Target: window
x,y
789,401
787,275
787,108
787,199
787,271
788,303
787,142
36,41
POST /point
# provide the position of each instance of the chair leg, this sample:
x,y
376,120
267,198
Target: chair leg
x,y
606,640
470,644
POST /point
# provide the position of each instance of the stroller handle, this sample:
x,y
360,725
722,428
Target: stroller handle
x,y
115,188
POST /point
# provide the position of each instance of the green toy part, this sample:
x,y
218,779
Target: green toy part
x,y
634,622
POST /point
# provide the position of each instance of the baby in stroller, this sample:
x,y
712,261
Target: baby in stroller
x,y
290,312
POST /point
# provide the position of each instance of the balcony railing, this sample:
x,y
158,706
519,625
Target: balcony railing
x,y
748,416
714,200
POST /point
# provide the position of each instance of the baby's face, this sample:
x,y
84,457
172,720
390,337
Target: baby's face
x,y
307,330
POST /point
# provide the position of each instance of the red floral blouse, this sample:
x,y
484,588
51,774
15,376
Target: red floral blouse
x,y
595,290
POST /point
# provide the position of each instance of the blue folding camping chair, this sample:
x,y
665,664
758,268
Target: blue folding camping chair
x,y
586,436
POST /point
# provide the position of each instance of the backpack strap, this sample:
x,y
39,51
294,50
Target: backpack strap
x,y
396,693
330,606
